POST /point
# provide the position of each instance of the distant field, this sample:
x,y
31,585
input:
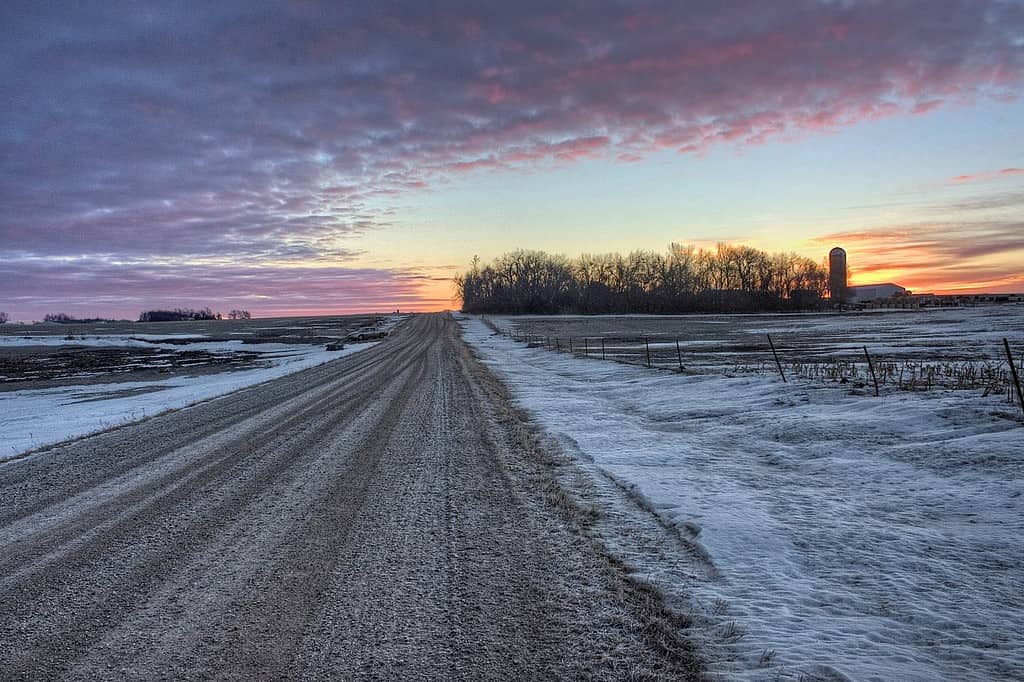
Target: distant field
x,y
64,381
264,330
46,355
949,346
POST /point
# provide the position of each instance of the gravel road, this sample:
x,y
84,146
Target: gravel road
x,y
382,516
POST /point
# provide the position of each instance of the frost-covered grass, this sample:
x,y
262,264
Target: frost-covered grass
x,y
30,419
872,538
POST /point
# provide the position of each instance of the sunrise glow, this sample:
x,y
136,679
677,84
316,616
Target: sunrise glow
x,y
303,158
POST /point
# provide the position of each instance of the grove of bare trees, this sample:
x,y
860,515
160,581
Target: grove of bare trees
x,y
178,315
728,278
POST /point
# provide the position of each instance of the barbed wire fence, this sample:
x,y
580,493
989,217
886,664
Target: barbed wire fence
x,y
993,375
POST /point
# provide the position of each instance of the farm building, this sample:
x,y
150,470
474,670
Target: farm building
x,y
873,292
841,292
837,275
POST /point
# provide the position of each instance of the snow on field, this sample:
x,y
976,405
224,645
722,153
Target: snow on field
x,y
855,537
30,419
99,340
931,334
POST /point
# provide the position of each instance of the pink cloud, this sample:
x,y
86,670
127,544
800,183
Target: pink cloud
x,y
986,176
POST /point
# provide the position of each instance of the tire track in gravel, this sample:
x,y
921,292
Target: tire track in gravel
x,y
367,519
266,569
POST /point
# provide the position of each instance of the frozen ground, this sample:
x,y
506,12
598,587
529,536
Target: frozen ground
x,y
105,340
851,536
927,335
30,419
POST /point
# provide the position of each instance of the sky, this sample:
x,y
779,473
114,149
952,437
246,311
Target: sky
x,y
303,157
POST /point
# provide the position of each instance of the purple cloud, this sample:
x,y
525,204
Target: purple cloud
x,y
270,132
89,287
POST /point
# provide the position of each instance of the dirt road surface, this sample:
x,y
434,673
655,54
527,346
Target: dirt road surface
x,y
378,517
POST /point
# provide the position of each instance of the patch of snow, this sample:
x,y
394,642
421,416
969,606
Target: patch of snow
x,y
853,536
169,336
100,340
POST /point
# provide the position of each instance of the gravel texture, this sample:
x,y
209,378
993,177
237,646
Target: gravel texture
x,y
379,517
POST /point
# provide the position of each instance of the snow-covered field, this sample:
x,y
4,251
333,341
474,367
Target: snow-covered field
x,y
851,536
30,419
103,340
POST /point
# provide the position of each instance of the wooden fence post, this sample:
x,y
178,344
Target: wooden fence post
x,y
1013,370
586,347
570,346
602,348
647,345
679,356
871,366
777,363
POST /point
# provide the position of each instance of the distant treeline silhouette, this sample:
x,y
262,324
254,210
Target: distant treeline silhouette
x,y
686,279
178,315
64,318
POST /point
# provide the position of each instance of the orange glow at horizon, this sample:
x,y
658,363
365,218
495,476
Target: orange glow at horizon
x,y
920,271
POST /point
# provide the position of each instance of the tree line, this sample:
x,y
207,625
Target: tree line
x,y
729,278
178,315
188,314
174,315
64,318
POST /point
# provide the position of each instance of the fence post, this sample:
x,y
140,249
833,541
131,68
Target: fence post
x,y
558,345
602,348
679,356
647,345
570,346
871,366
586,347
1013,370
777,363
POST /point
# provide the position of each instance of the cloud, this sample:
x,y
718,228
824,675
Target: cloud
x,y
99,286
277,132
937,256
984,177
